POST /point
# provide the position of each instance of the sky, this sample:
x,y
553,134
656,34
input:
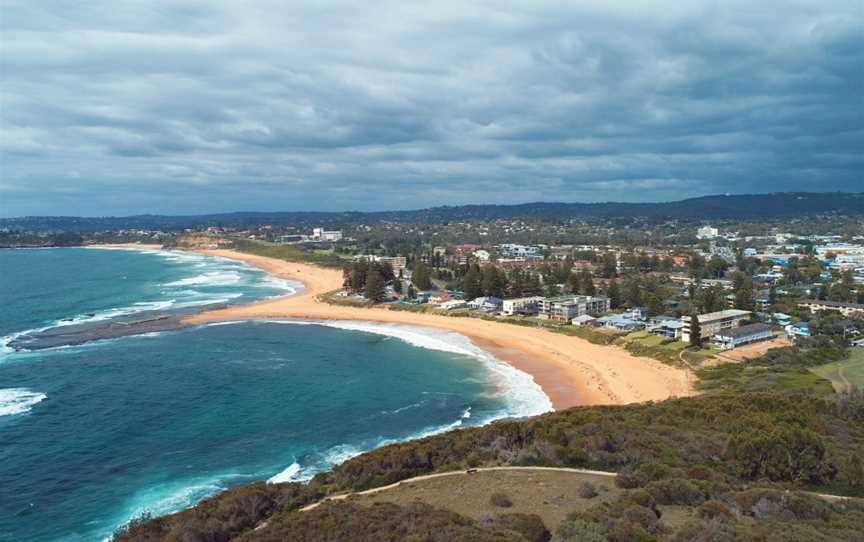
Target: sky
x,y
186,107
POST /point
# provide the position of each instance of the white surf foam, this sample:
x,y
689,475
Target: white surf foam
x,y
523,395
18,400
287,475
210,278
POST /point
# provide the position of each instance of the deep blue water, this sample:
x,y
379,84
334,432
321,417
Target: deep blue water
x,y
94,435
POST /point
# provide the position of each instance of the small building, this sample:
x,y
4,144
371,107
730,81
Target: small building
x,y
585,319
796,331
738,336
525,306
714,322
486,304
620,322
452,304
781,319
482,255
666,327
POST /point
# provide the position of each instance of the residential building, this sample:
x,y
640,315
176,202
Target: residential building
x,y
620,322
738,336
486,304
526,306
482,255
583,320
398,263
563,308
520,251
846,309
665,327
714,322
452,304
781,319
796,331
320,234
707,232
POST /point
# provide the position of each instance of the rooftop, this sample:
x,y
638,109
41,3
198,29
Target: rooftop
x,y
745,331
719,315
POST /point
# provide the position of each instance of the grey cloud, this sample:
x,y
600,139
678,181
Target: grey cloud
x,y
194,106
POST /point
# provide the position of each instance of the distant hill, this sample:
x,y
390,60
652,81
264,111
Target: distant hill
x,y
743,206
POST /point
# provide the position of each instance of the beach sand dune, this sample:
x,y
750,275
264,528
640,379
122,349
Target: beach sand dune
x,y
572,371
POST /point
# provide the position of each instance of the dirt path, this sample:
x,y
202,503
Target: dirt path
x,y
343,496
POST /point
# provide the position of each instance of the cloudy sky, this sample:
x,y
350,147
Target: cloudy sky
x,y
205,106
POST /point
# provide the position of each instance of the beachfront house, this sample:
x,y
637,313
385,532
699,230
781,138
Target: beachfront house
x,y
739,336
452,304
524,306
565,308
620,322
583,320
486,304
665,327
562,309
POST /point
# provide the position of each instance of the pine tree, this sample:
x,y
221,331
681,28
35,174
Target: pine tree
x,y
614,294
572,283
743,287
471,283
421,276
374,290
586,283
695,331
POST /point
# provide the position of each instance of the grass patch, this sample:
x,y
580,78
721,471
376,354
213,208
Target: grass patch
x,y
289,253
846,374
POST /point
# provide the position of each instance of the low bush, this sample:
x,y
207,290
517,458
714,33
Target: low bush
x,y
501,500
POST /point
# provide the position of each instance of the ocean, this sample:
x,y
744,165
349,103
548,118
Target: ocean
x,y
96,434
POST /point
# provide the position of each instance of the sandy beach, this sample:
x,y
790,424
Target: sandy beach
x,y
570,370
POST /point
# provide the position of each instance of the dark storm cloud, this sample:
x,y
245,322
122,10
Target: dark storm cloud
x,y
195,106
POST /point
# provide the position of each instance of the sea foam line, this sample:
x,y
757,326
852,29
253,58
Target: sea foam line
x,y
524,396
18,400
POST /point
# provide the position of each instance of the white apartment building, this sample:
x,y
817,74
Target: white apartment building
x,y
707,232
320,234
714,322
521,305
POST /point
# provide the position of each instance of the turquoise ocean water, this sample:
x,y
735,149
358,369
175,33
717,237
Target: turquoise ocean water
x,y
94,435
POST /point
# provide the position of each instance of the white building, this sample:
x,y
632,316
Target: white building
x,y
482,255
734,337
320,234
707,232
521,305
714,322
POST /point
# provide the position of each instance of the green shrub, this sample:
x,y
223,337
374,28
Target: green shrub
x,y
586,490
676,491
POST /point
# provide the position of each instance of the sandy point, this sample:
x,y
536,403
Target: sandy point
x,y
570,370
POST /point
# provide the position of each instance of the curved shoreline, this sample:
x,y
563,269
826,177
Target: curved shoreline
x,y
570,370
